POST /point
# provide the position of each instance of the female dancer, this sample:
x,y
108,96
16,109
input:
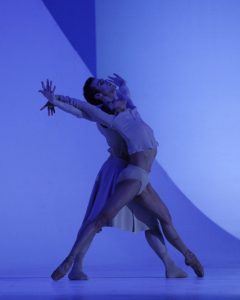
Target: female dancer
x,y
132,181
132,217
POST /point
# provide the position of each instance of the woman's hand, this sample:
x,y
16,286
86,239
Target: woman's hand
x,y
48,90
50,108
117,80
123,91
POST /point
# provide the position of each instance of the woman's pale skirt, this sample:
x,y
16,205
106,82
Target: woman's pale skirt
x,y
132,217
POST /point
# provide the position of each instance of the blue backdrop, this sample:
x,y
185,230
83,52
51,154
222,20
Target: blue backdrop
x,y
181,61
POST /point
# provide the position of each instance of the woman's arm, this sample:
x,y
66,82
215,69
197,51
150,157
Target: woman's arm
x,y
86,110
70,108
94,113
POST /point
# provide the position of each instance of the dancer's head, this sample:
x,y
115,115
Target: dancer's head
x,y
99,91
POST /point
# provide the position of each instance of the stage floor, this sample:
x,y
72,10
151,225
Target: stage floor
x,y
218,284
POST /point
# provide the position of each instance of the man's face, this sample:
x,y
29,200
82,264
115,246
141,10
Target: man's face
x,y
104,87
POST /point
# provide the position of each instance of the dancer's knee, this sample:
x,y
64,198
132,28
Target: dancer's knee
x,y
101,221
166,219
150,231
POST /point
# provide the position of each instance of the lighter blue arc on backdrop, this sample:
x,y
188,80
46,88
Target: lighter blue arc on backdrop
x,y
181,60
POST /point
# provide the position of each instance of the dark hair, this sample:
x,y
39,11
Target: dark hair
x,y
89,94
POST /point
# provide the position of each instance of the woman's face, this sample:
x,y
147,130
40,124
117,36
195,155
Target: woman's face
x,y
104,87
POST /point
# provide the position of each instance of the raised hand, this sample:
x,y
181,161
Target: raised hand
x,y
123,91
117,80
48,90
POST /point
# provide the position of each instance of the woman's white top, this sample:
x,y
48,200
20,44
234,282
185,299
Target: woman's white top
x,y
135,132
117,145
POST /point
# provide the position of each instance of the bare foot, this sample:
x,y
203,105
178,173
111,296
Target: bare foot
x,y
63,268
174,271
77,275
192,261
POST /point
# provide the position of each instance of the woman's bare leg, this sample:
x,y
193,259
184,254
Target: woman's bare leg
x,y
125,191
155,240
76,272
151,200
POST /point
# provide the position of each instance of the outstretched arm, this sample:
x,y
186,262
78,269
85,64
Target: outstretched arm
x,y
61,102
87,110
75,106
65,107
